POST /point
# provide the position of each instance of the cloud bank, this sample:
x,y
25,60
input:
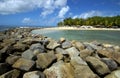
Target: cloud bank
x,y
18,6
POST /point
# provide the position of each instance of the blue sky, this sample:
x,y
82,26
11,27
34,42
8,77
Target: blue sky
x,y
50,12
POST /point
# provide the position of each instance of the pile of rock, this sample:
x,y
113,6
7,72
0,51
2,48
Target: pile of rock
x,y
24,55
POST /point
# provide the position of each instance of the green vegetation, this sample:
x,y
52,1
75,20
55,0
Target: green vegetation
x,y
96,21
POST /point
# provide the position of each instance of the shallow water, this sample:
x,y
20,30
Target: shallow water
x,y
104,36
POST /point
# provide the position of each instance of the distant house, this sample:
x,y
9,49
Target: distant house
x,y
86,27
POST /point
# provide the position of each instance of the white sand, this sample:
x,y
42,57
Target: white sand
x,y
75,28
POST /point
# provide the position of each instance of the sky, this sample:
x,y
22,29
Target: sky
x,y
50,12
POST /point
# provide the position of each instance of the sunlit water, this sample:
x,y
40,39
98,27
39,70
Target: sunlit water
x,y
104,36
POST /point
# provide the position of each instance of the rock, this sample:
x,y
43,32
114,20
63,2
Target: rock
x,y
81,68
20,47
11,74
84,53
79,46
87,45
61,51
12,59
34,74
114,55
37,46
114,74
97,65
72,52
23,64
52,44
60,70
116,48
4,67
28,54
59,56
66,44
45,59
62,40
110,63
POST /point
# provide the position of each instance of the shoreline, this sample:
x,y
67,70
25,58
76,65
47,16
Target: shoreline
x,y
76,28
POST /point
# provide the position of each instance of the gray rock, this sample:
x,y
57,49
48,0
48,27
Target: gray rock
x,y
72,52
4,67
45,59
30,55
114,74
96,64
34,74
23,64
60,70
12,59
52,44
37,46
11,74
110,63
61,51
66,44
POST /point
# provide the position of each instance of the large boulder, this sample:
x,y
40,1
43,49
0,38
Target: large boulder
x,y
12,59
11,74
52,44
37,46
110,54
97,65
72,52
79,46
61,51
114,74
84,53
23,64
110,63
45,59
34,74
66,44
60,70
81,69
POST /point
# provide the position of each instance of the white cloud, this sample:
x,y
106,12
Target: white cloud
x,y
17,6
63,11
26,20
88,14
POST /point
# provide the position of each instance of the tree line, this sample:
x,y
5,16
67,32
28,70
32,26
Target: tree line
x,y
96,21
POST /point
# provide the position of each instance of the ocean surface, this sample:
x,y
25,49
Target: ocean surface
x,y
103,36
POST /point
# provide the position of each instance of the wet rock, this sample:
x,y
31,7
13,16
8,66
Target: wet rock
x,y
114,55
37,46
61,51
97,65
45,59
11,74
60,70
72,52
4,67
114,74
23,64
52,44
79,46
84,53
110,63
66,44
34,74
12,59
20,47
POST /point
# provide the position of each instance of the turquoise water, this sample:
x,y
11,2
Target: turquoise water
x,y
104,36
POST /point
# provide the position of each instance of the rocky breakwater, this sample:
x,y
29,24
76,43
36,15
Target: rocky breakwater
x,y
24,55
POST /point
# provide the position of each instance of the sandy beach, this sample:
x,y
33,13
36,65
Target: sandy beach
x,y
76,28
